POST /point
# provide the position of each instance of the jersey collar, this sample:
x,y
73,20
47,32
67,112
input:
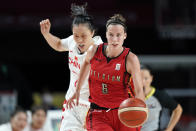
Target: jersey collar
x,y
151,93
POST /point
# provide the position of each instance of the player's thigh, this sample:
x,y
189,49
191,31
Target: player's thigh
x,y
94,126
96,121
81,112
70,122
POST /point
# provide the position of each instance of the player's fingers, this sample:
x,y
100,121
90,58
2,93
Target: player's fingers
x,y
41,23
42,28
71,105
67,105
77,100
46,25
47,21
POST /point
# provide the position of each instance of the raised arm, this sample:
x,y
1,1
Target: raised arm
x,y
133,67
52,40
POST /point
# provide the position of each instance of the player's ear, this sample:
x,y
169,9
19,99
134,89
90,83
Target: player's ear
x,y
106,34
152,78
125,36
93,33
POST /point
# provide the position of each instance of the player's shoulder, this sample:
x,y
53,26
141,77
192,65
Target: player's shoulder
x,y
68,40
97,40
5,127
71,42
131,57
71,39
131,54
161,94
92,50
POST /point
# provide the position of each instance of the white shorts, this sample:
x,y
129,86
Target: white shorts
x,y
74,119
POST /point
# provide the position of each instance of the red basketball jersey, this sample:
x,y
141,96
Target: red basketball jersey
x,y
108,80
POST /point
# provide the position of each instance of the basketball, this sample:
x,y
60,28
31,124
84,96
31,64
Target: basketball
x,y
133,112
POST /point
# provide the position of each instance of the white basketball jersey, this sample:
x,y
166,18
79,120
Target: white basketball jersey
x,y
75,62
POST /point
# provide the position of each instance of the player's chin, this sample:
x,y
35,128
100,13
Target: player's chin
x,y
115,45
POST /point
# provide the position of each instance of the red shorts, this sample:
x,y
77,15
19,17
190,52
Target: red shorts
x,y
101,120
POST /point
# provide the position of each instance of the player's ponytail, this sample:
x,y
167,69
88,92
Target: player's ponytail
x,y
80,16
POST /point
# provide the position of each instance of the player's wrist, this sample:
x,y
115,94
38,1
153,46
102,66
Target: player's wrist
x,y
46,34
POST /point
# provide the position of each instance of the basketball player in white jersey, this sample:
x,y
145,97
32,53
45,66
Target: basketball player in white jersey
x,y
77,45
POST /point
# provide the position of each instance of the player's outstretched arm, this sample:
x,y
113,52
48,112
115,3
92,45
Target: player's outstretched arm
x,y
84,72
52,40
133,67
176,113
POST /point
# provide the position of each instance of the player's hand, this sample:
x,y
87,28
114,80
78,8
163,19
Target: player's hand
x,y
45,26
71,103
77,97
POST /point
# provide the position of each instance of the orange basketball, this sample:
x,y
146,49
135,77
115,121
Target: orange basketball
x,y
133,112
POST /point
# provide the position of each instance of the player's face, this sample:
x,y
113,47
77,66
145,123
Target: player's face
x,y
115,35
19,121
38,119
147,78
82,36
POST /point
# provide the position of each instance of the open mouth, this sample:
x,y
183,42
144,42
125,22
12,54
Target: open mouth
x,y
81,45
114,45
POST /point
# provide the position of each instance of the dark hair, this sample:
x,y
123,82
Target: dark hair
x,y
146,67
17,110
117,19
36,108
80,16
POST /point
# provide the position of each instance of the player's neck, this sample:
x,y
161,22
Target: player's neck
x,y
147,91
113,52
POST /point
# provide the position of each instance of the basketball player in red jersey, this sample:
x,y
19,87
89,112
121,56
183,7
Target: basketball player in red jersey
x,y
110,65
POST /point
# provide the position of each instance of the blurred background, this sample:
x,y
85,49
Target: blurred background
x,y
161,32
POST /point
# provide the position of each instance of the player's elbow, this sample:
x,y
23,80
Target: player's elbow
x,y
59,47
179,109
